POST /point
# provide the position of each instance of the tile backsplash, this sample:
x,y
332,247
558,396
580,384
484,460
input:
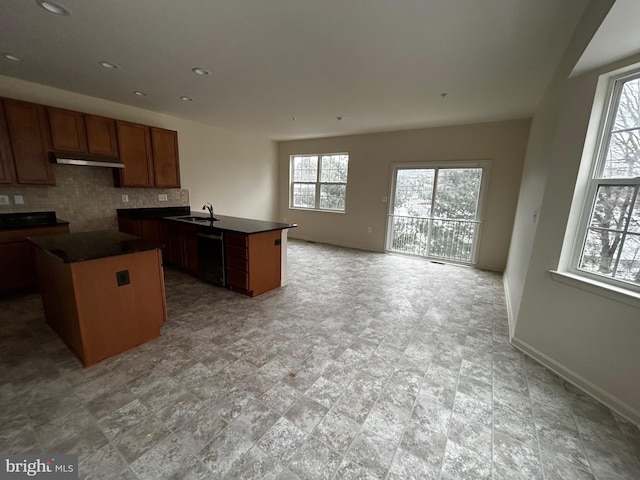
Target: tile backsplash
x,y
86,197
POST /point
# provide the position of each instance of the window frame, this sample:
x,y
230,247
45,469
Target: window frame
x,y
318,183
608,112
483,164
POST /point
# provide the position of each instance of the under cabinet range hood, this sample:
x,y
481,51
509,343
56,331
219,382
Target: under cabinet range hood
x,y
87,160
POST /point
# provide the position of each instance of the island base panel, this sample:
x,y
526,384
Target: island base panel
x,y
96,317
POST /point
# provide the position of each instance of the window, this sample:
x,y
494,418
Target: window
x,y
319,181
436,209
609,240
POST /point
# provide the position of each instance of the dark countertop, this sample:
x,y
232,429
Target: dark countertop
x,y
153,212
225,223
22,220
81,246
234,224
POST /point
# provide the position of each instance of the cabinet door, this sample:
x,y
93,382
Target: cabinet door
x,y
135,152
101,135
18,270
67,130
150,229
132,226
7,172
190,249
29,134
165,158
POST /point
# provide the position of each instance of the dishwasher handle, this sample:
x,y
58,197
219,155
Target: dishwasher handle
x,y
210,237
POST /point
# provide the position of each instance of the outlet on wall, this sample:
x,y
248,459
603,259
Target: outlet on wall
x,y
4,199
369,230
125,198
162,197
18,199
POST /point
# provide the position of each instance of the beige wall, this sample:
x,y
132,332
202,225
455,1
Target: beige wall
x,y
589,339
370,159
233,170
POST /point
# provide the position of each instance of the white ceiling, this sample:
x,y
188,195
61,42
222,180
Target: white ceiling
x,y
380,64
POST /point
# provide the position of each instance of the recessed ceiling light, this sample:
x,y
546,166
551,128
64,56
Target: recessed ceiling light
x,y
10,56
200,71
140,94
186,99
54,8
108,65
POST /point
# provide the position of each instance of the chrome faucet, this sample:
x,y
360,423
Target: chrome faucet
x,y
208,206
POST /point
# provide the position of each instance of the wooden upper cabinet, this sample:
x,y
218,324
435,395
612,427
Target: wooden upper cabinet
x,y
67,130
7,171
29,133
134,142
101,135
77,132
166,169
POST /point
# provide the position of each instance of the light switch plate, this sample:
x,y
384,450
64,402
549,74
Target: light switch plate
x,y
162,197
4,199
18,199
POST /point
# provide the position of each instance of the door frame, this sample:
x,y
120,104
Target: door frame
x,y
484,164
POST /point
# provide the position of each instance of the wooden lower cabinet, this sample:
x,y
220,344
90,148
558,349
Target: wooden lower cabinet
x,y
17,267
253,261
181,245
149,229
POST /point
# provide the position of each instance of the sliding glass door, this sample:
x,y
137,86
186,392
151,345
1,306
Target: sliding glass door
x,y
435,211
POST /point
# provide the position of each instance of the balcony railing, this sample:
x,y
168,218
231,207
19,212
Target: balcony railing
x,y
438,238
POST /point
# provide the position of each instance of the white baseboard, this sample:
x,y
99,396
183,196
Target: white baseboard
x,y
337,244
580,382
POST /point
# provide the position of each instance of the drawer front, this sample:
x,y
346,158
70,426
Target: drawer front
x,y
237,252
240,264
238,279
237,240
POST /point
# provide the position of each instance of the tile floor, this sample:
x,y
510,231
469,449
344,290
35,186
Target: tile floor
x,y
365,366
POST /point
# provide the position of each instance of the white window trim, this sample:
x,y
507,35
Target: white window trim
x,y
317,183
602,115
612,292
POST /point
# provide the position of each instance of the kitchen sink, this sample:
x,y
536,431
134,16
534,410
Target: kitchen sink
x,y
198,219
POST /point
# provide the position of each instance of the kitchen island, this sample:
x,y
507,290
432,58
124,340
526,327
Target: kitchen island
x,y
244,255
103,292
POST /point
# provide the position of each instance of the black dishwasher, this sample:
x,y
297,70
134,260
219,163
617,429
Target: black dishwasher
x,y
211,257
